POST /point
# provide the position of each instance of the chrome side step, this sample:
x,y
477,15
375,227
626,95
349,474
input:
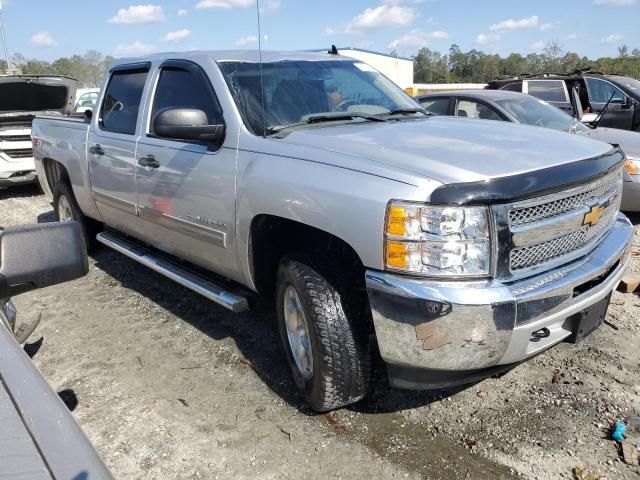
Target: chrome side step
x,y
235,302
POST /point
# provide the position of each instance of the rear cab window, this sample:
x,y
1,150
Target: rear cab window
x,y
547,90
121,103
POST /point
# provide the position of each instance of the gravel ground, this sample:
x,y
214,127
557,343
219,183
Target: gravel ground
x,y
168,385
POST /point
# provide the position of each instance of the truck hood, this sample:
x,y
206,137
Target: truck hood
x,y
629,141
449,149
24,96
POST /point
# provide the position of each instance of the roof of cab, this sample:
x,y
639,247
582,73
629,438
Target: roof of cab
x,y
247,56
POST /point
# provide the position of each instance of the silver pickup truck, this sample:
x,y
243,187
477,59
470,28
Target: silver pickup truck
x,y
455,249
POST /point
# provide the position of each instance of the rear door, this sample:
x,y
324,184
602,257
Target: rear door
x,y
620,111
552,91
111,149
187,199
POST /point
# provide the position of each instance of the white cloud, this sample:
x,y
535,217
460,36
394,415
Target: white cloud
x,y
537,46
511,24
573,36
385,15
613,38
545,27
417,39
139,14
241,42
183,12
614,2
178,35
133,49
44,39
270,6
226,4
487,38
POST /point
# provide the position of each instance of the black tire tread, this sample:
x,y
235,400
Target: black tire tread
x,y
339,328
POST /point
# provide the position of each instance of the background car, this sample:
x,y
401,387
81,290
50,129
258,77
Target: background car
x,y
515,107
86,99
595,90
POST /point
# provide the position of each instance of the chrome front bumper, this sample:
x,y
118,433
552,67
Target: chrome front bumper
x,y
467,326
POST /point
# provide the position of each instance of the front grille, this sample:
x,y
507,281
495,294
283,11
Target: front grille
x,y
527,215
15,138
558,228
20,153
553,249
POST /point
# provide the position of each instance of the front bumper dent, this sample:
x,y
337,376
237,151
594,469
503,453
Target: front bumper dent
x,y
459,327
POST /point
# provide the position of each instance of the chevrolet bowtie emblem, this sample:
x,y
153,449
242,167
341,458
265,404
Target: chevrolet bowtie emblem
x,y
594,215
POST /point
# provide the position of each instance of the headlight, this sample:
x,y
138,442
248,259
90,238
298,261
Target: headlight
x,y
437,241
632,165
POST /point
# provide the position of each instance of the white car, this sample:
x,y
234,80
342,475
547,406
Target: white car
x,y
86,99
22,97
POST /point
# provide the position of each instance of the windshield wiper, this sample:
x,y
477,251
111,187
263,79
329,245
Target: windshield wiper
x,y
326,117
407,111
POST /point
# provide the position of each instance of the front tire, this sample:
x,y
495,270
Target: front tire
x,y
65,208
323,333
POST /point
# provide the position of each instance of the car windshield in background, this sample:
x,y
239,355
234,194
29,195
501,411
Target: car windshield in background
x,y
294,91
533,111
630,83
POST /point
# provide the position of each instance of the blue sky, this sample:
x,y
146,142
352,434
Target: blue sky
x,y
49,29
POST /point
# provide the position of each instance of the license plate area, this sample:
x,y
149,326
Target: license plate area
x,y
583,323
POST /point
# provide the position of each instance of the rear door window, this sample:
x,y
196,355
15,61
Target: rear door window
x,y
547,90
439,106
472,109
119,112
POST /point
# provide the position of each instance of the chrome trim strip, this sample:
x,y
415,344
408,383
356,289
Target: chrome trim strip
x,y
113,202
204,287
206,234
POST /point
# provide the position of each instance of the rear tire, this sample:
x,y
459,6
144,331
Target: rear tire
x,y
326,344
65,208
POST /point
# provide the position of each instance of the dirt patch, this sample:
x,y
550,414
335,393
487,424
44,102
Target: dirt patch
x,y
168,385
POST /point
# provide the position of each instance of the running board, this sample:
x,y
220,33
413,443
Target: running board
x,y
219,294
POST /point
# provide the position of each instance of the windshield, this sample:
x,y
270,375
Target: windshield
x,y
532,111
295,90
630,83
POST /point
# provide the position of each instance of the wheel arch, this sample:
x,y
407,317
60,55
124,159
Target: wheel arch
x,y
272,237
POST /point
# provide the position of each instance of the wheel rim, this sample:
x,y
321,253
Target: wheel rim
x,y
65,213
298,332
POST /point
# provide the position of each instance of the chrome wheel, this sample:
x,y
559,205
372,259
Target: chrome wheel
x,y
65,213
298,332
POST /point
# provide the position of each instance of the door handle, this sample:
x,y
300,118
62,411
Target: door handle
x,y
96,149
148,161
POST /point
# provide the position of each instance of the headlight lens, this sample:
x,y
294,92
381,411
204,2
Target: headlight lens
x,y
632,165
437,241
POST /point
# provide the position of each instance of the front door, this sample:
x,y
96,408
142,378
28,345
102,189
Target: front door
x,y
186,189
619,114
112,147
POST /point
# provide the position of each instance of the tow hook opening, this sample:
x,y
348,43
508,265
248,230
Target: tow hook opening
x,y
540,334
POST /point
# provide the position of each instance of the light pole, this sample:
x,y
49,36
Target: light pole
x,y
4,42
